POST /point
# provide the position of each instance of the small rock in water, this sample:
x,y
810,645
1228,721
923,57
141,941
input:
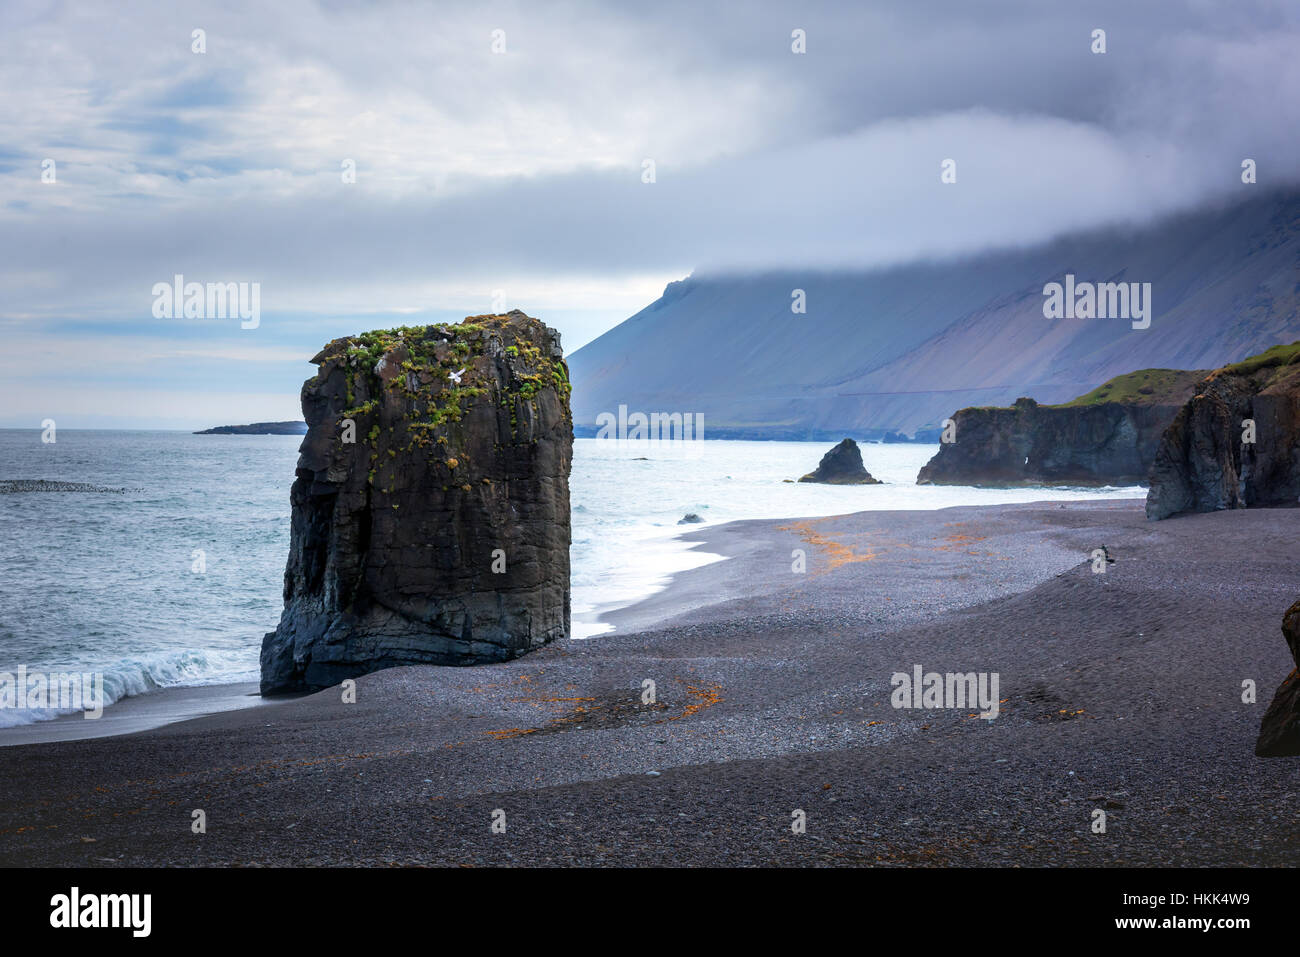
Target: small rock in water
x,y
690,519
842,465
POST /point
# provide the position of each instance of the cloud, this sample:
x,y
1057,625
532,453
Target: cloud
x,y
522,171
867,199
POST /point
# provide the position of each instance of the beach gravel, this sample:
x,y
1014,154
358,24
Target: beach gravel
x,y
752,693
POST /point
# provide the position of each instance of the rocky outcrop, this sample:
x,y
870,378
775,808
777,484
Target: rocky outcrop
x,y
1236,441
258,428
1279,732
431,506
1107,437
842,465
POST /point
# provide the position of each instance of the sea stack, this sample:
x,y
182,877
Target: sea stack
x,y
1279,732
842,465
430,520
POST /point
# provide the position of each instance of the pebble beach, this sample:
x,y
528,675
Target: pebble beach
x,y
753,694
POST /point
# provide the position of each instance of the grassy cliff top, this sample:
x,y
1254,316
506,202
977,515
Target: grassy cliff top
x,y
1143,387
438,368
465,337
1278,357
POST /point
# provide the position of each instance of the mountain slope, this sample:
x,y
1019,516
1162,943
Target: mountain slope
x,y
902,348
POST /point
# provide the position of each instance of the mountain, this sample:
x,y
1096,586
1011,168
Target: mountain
x,y
901,348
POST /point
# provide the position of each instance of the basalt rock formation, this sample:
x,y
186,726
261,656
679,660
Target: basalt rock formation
x,y
1107,437
842,465
1279,732
431,505
1235,443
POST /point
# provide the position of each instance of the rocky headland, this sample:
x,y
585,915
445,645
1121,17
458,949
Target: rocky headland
x,y
1108,436
430,516
258,428
1235,443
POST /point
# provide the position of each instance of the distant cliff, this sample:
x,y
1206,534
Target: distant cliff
x,y
1106,437
259,428
431,506
1236,441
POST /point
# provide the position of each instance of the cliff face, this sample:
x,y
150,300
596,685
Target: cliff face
x,y
440,534
1204,463
1107,437
1279,732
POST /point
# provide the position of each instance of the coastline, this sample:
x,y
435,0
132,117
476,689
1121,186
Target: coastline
x,y
1122,692
755,576
618,558
743,551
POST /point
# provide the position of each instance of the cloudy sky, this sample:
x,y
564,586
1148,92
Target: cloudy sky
x,y
518,172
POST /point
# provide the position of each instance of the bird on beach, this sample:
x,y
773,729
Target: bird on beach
x,y
1106,552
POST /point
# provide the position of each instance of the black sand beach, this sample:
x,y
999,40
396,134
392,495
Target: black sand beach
x,y
1121,691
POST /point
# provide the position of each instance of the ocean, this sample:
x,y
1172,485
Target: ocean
x,y
173,581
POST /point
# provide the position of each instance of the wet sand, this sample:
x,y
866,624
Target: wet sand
x,y
138,713
1122,692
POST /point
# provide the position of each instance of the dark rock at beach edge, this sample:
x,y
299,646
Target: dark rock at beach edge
x,y
1279,731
